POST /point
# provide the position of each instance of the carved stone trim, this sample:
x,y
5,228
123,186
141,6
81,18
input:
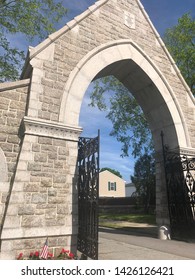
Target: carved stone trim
x,y
187,151
129,20
180,150
183,150
56,130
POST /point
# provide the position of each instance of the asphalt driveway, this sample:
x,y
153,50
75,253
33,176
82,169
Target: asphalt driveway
x,y
140,242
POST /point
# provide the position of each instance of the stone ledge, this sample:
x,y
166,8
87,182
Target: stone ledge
x,y
14,85
182,150
20,233
45,128
187,151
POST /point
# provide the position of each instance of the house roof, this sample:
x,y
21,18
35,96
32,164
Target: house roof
x,y
111,174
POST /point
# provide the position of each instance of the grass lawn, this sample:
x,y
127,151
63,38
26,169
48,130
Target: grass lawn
x,y
133,218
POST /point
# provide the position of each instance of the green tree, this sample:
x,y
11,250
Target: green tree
x,y
33,18
117,173
180,41
144,181
130,126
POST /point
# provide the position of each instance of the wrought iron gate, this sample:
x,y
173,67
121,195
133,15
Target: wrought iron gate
x,y
88,194
180,180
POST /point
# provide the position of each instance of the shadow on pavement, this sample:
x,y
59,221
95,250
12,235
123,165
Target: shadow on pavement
x,y
151,231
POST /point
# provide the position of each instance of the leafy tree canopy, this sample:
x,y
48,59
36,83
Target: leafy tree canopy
x,y
129,123
117,173
180,41
144,180
34,19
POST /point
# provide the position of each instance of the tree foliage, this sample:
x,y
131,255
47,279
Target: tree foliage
x,y
32,18
115,172
180,41
144,180
130,126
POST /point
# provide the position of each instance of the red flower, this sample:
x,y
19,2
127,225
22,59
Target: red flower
x,y
20,256
64,251
36,253
50,255
71,255
64,255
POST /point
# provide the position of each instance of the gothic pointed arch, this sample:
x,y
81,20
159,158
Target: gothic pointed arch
x,y
132,66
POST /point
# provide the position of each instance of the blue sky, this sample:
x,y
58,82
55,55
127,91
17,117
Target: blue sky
x,y
164,14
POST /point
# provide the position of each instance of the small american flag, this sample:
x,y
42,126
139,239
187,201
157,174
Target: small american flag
x,y
44,252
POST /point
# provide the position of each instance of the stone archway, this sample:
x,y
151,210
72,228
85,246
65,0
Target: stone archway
x,y
127,62
112,37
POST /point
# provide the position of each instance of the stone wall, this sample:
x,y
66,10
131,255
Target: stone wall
x,y
13,97
43,196
38,192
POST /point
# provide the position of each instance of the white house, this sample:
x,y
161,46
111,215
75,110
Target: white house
x,y
110,185
129,189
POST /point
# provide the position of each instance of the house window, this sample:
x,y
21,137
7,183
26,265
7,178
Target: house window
x,y
112,186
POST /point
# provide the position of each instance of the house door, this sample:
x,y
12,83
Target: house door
x,y
88,194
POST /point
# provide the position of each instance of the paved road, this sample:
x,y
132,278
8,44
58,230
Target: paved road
x,y
141,245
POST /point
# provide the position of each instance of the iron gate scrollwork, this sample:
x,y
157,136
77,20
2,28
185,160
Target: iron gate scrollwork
x,y
88,194
180,180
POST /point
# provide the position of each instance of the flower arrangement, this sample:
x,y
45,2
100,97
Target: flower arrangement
x,y
64,255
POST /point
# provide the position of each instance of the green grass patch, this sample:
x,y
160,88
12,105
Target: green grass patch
x,y
132,218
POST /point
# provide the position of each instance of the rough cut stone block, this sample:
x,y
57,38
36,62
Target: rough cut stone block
x,y
31,187
45,140
48,148
46,183
39,198
40,157
50,214
52,192
32,221
55,222
26,210
36,147
59,178
17,197
12,222
55,200
62,209
34,167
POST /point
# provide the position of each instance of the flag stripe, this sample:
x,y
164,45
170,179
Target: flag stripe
x,y
44,252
